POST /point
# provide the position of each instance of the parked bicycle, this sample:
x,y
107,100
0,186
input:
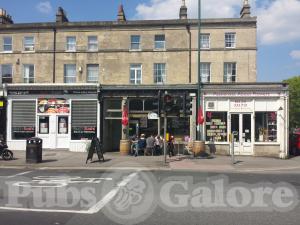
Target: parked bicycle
x,y
4,152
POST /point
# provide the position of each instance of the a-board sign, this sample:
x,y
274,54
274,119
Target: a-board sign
x,y
95,147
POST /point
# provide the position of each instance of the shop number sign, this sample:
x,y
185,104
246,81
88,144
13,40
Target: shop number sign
x,y
240,105
53,106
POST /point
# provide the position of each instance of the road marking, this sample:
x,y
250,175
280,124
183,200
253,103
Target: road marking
x,y
19,174
110,195
94,209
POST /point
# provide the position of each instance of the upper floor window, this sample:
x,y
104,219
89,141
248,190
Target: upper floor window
x,y
230,40
160,42
28,73
6,73
7,44
160,74
93,43
70,73
205,72
204,41
71,43
136,73
229,72
92,71
135,42
29,43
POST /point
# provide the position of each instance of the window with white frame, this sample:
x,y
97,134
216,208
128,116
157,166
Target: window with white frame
x,y
204,41
205,72
28,73
92,43
29,43
92,73
71,43
70,73
135,42
7,44
6,73
160,74
135,73
230,40
266,126
159,41
229,72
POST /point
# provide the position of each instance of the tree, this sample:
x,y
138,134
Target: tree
x,y
294,93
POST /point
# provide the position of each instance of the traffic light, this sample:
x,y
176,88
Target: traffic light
x,y
168,103
187,105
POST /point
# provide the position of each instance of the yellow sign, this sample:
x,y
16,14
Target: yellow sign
x,y
1,103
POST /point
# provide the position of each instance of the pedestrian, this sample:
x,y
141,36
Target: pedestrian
x,y
171,146
150,145
141,145
158,145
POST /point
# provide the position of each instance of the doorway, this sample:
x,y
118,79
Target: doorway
x,y
54,130
241,126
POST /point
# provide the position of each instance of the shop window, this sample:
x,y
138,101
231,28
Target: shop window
x,y
151,105
136,105
23,119
216,126
63,122
43,124
178,127
266,127
84,120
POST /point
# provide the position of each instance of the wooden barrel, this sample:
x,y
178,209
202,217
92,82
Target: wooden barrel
x,y
124,147
199,148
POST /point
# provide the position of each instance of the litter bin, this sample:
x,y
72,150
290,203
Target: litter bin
x,y
34,147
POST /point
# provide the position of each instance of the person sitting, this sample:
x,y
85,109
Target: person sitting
x,y
141,145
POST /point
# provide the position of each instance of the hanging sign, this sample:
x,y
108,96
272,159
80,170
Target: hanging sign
x,y
152,116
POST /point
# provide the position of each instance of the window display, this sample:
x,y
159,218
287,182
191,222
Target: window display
x,y
44,124
216,126
266,127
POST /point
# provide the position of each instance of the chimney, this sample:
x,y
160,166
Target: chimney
x,y
183,11
246,12
121,14
61,16
5,18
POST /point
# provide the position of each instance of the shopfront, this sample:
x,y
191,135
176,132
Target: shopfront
x,y
256,115
65,117
2,114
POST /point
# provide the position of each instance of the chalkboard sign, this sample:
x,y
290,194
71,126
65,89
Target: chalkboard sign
x,y
95,147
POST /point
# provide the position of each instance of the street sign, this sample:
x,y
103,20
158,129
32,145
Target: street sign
x,y
152,116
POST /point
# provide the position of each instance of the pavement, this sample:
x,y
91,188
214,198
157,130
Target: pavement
x,y
61,159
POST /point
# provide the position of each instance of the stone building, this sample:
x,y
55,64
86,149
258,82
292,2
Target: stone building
x,y
73,78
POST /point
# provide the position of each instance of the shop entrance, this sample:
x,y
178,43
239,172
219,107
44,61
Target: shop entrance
x,y
54,130
242,125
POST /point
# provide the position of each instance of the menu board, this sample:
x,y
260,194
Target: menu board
x,y
81,133
216,127
53,106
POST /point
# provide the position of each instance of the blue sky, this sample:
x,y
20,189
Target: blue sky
x,y
278,22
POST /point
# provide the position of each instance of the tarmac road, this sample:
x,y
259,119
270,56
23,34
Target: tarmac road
x,y
77,197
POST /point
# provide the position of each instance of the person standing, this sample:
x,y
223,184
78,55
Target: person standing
x,y
150,141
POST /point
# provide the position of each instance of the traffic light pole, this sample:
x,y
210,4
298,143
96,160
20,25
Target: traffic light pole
x,y
165,136
199,136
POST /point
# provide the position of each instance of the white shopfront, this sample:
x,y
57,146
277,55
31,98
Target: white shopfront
x,y
66,120
258,118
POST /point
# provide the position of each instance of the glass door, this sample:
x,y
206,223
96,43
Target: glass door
x,y
62,136
235,129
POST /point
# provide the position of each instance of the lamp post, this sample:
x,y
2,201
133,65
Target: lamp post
x,y
199,73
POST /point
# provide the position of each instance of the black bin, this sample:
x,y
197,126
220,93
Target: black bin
x,y
34,147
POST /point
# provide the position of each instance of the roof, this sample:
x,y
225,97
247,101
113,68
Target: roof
x,y
134,23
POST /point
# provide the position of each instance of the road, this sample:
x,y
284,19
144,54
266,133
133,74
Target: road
x,y
77,197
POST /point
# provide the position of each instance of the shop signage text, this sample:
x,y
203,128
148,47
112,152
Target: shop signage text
x,y
242,94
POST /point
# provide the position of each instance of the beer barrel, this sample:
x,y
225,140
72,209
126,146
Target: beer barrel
x,y
199,148
124,147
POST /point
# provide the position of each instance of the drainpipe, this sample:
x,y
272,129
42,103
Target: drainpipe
x,y
54,52
188,28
